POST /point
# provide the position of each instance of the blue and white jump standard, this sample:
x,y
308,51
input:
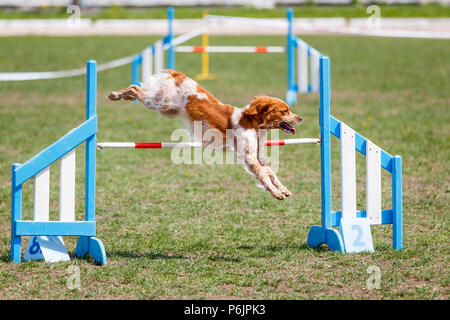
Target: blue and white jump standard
x,y
45,236
307,58
376,159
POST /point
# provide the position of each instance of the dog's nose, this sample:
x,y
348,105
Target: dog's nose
x,y
299,119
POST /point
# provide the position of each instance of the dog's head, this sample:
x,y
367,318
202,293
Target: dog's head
x,y
272,113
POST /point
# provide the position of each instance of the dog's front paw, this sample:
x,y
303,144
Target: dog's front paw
x,y
285,191
278,194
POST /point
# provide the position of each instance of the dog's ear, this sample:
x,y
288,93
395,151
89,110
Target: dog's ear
x,y
259,105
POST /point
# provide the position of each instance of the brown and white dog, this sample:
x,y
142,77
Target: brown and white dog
x,y
173,94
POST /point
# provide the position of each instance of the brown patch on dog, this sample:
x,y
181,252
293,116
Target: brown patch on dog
x,y
216,114
249,122
177,76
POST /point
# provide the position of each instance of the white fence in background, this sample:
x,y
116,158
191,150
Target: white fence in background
x,y
263,4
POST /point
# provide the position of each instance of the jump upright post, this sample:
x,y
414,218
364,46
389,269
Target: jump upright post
x,y
376,158
205,75
46,236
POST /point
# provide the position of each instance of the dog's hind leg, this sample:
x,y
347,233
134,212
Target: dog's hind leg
x,y
133,92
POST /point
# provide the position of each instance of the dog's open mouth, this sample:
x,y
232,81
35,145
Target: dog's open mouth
x,y
286,127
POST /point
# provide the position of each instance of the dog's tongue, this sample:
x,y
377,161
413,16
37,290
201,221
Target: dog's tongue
x,y
288,127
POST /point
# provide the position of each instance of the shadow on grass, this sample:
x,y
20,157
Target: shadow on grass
x,y
162,256
147,255
223,258
5,258
276,248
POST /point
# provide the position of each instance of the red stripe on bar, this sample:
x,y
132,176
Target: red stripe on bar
x,y
274,143
198,49
148,145
261,49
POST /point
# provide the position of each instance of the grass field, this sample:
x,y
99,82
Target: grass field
x,y
206,231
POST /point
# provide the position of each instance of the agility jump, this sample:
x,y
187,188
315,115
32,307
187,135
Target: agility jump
x,y
46,235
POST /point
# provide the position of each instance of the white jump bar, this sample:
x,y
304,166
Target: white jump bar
x,y
160,145
230,49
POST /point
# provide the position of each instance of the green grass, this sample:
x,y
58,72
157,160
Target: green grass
x,y
206,231
301,11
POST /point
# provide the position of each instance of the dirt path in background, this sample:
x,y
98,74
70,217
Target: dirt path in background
x,y
402,27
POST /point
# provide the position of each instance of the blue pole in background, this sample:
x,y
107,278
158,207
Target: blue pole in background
x,y
135,70
171,51
291,95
